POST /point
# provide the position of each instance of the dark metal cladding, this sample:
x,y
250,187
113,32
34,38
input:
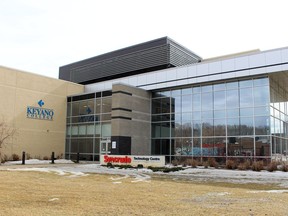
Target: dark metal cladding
x,y
141,58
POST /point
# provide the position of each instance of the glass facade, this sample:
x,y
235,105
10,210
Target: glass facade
x,y
228,119
279,118
88,122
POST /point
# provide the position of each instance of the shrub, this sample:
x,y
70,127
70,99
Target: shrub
x,y
194,163
165,169
272,166
45,158
175,162
27,156
205,164
4,159
231,164
257,166
212,162
284,167
244,166
140,166
110,165
15,157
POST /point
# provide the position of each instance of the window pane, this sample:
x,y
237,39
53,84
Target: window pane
x,y
232,85
261,110
176,104
246,97
233,127
186,103
196,102
232,99
232,113
262,125
74,130
75,108
90,129
106,129
219,114
261,81
207,101
207,88
246,111
106,105
220,127
165,105
246,126
196,129
82,129
245,83
218,87
207,127
261,95
219,100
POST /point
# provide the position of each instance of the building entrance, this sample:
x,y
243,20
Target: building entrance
x,y
105,147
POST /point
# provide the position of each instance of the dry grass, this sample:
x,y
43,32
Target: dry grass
x,y
35,193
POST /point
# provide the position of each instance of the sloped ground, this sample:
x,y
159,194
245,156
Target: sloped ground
x,y
89,189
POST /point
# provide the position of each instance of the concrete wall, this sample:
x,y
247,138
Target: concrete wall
x,y
131,119
18,90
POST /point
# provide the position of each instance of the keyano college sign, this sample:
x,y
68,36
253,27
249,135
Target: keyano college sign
x,y
39,112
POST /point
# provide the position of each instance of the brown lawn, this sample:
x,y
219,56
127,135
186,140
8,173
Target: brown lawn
x,y
38,193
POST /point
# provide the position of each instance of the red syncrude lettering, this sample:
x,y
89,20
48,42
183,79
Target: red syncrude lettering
x,y
108,159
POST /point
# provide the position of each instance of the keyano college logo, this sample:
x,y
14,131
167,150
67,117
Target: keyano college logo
x,y
39,112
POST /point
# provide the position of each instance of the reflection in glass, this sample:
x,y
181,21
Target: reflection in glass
x,y
246,126
165,105
186,103
196,128
261,96
261,111
262,145
232,99
220,86
207,101
207,127
196,102
219,114
262,125
246,97
219,127
233,127
196,147
232,113
246,111
245,83
219,100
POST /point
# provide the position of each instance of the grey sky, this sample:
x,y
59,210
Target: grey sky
x,y
41,35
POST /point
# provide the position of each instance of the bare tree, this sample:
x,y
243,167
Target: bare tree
x,y
6,132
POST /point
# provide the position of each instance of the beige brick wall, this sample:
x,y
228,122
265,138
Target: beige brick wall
x,y
20,89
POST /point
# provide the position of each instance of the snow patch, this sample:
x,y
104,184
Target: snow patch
x,y
53,199
268,191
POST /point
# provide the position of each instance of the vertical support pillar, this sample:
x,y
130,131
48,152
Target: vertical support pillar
x,y
23,158
78,157
52,157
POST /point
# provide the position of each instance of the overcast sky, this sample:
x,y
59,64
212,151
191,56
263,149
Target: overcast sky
x,y
40,35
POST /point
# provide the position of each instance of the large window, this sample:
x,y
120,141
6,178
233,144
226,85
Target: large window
x,y
220,120
88,121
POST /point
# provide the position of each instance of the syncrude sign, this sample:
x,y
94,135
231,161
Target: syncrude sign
x,y
133,160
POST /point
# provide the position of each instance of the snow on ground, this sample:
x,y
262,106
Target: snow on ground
x,y
69,169
36,161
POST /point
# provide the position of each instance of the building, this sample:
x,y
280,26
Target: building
x,y
154,98
159,98
36,107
